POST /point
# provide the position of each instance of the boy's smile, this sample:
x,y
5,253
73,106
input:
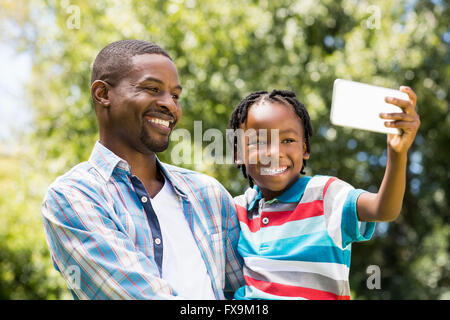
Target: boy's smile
x,y
274,180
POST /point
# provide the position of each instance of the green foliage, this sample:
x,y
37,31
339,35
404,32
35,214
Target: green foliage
x,y
223,51
26,270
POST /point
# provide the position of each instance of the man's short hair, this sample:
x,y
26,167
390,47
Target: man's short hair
x,y
113,62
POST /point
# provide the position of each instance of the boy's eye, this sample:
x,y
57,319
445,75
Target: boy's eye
x,y
175,96
288,141
257,143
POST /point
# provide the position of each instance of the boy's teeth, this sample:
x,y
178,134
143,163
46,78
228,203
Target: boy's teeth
x,y
160,121
273,171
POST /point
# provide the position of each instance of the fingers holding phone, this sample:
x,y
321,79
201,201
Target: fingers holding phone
x,y
407,121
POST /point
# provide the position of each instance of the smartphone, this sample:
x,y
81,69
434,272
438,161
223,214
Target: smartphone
x,y
358,105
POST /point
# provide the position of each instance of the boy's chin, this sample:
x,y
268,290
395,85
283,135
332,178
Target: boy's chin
x,y
273,186
271,183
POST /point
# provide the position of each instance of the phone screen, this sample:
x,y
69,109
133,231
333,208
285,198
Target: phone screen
x,y
358,105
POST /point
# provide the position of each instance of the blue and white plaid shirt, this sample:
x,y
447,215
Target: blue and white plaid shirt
x,y
105,239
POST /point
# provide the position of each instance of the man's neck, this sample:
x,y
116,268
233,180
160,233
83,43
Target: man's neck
x,y
143,166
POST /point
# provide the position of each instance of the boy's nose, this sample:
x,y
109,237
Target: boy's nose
x,y
270,154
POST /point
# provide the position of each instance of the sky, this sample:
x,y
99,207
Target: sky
x,y
15,115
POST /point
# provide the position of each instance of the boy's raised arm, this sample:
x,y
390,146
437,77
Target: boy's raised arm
x,y
387,203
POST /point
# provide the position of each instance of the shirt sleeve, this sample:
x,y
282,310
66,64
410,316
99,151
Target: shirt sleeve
x,y
339,204
97,259
234,277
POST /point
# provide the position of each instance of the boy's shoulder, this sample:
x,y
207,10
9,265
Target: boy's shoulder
x,y
324,183
316,187
320,181
246,198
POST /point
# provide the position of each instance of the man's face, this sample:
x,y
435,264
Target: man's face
x,y
144,104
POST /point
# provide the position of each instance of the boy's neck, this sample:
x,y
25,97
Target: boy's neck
x,y
271,194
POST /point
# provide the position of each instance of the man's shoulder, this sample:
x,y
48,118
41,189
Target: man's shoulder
x,y
191,175
80,176
193,180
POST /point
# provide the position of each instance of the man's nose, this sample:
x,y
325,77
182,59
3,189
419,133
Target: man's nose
x,y
168,102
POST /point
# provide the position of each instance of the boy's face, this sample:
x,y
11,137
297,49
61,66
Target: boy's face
x,y
291,147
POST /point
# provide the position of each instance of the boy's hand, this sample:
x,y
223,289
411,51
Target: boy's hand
x,y
408,121
387,203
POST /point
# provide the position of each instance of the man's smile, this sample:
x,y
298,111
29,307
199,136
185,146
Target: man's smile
x,y
161,120
161,124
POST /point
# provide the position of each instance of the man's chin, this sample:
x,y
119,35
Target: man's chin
x,y
156,147
155,144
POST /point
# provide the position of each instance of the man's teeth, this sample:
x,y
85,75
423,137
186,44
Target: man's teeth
x,y
273,170
165,123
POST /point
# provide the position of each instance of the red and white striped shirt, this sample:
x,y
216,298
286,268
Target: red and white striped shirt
x,y
298,245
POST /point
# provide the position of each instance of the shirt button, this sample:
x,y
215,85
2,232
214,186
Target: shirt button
x,y
158,241
144,199
265,220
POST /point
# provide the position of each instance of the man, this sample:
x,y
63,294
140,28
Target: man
x,y
123,225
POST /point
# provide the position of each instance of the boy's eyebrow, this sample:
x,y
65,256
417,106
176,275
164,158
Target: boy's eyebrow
x,y
288,130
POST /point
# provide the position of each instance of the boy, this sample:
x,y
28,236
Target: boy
x,y
296,232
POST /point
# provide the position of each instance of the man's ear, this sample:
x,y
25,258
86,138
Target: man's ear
x,y
99,92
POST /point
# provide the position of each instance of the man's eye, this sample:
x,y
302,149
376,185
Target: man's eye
x,y
176,96
152,89
288,141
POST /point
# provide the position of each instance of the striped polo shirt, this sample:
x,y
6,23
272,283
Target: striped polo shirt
x,y
298,245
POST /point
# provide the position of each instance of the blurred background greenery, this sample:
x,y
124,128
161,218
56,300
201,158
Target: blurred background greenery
x,y
223,51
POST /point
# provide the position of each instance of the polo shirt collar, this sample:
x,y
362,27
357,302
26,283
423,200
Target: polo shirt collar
x,y
293,194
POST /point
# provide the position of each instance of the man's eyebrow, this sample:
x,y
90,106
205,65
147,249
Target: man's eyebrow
x,y
160,82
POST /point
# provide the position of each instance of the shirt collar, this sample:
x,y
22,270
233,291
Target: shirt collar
x,y
170,177
105,161
293,194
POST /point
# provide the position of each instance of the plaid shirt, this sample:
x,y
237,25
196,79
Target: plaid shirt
x,y
105,239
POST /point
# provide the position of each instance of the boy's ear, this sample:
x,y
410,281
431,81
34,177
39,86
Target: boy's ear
x,y
237,160
99,92
305,153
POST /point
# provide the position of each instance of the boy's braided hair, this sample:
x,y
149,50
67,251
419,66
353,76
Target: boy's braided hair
x,y
286,97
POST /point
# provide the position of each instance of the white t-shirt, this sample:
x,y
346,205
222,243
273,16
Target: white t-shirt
x,y
183,267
